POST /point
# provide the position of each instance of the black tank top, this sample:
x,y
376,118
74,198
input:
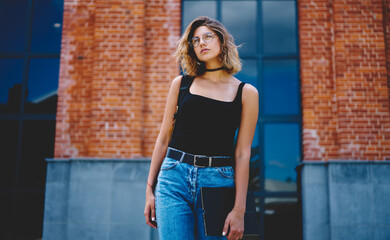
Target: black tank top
x,y
206,126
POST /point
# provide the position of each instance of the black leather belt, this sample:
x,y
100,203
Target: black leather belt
x,y
200,160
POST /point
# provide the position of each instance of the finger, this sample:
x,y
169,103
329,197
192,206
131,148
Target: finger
x,y
147,218
225,227
233,237
153,213
232,234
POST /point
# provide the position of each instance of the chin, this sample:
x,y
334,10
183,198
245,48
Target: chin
x,y
208,58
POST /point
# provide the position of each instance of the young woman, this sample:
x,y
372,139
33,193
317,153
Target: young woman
x,y
214,106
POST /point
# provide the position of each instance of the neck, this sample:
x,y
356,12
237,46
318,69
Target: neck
x,y
215,76
212,64
215,69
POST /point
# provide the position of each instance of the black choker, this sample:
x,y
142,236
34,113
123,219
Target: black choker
x,y
214,69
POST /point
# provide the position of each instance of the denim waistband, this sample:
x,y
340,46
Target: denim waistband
x,y
199,160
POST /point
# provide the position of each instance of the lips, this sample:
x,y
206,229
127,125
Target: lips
x,y
204,50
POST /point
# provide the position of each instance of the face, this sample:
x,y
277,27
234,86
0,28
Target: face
x,y
208,43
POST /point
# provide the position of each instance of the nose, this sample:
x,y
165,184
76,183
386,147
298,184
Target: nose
x,y
201,42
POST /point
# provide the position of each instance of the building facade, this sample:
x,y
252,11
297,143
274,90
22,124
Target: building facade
x,y
83,86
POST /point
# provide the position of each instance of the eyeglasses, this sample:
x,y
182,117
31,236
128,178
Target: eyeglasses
x,y
207,37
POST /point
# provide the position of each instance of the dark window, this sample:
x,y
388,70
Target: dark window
x,y
6,203
239,17
281,156
29,216
281,218
9,151
13,25
280,87
42,85
249,72
11,78
280,28
46,26
193,9
29,67
34,151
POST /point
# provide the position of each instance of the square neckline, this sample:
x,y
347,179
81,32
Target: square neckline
x,y
235,98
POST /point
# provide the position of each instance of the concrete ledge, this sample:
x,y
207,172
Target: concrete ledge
x,y
345,199
91,198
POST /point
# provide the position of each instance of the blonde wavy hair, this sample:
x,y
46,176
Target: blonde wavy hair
x,y
186,56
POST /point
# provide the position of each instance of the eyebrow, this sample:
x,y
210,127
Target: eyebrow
x,y
202,34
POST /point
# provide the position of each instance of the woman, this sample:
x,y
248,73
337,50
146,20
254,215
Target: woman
x,y
214,106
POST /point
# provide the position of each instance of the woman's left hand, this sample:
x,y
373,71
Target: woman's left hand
x,y
234,220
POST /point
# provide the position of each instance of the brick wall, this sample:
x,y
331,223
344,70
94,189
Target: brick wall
x,y
116,69
115,74
345,94
163,22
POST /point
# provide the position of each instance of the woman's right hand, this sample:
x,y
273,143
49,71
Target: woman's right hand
x,y
150,213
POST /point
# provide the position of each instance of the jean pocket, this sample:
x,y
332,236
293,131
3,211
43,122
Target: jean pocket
x,y
168,164
227,172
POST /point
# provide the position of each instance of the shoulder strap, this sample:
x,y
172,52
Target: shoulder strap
x,y
186,82
239,93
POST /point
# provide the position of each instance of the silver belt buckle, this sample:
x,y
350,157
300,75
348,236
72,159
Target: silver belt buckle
x,y
201,156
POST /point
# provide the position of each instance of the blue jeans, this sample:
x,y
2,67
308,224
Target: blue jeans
x,y
179,213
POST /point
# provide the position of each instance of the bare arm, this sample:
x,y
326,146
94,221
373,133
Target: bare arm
x,y
161,145
159,152
249,115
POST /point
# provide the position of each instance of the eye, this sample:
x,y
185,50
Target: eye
x,y
208,36
194,41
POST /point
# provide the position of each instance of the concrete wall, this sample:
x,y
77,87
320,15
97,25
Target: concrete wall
x,y
346,200
105,199
96,199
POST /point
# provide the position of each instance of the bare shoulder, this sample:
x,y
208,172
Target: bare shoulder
x,y
249,93
250,89
176,82
175,85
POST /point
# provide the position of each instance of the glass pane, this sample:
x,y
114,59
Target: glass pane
x,y
280,87
193,9
249,73
11,77
239,17
281,156
46,26
281,219
8,148
13,25
42,85
32,172
5,216
29,216
279,27
258,202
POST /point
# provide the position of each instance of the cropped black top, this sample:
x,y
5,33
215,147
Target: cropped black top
x,y
206,126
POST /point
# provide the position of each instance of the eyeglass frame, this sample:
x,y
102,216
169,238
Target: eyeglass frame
x,y
190,42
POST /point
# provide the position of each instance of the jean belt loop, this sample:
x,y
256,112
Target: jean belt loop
x,y
209,161
182,156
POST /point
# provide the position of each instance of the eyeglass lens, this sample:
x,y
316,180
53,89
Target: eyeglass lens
x,y
207,37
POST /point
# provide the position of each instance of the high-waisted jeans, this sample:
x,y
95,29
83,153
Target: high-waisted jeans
x,y
179,213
